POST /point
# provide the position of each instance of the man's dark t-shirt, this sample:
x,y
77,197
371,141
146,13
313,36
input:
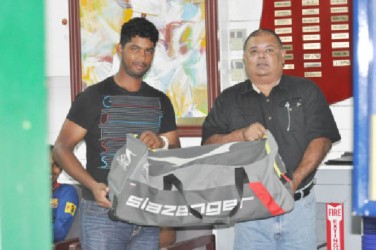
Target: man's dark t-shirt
x,y
108,112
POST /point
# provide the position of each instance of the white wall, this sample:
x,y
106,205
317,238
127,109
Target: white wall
x,y
57,38
57,65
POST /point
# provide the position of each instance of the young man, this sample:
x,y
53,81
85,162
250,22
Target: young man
x,y
64,203
102,116
295,111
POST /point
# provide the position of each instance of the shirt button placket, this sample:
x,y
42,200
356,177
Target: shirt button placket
x,y
268,111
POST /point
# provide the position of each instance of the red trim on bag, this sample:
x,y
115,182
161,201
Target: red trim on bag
x,y
266,199
286,177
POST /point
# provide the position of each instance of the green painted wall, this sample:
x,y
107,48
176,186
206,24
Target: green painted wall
x,y
25,214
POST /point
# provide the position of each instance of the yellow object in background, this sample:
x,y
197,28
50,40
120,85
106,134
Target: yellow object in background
x,y
70,208
127,14
54,203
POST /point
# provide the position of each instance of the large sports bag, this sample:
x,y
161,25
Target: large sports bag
x,y
202,185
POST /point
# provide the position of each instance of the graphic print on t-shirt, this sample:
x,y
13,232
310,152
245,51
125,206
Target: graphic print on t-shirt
x,y
125,114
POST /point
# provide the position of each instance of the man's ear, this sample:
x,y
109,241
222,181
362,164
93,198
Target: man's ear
x,y
245,58
283,53
119,50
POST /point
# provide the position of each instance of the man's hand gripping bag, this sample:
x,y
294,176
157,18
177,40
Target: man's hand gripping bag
x,y
202,185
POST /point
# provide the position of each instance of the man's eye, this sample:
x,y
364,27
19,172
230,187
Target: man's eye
x,y
253,52
269,51
150,51
134,49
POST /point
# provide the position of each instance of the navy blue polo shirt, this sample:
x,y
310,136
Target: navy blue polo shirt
x,y
295,112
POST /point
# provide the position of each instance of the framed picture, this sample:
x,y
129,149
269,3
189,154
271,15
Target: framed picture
x,y
185,65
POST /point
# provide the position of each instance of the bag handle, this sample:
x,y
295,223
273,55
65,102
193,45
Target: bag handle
x,y
240,178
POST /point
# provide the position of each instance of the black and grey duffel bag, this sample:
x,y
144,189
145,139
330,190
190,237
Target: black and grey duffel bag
x,y
201,185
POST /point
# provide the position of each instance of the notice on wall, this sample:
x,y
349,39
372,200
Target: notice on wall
x,y
317,38
335,226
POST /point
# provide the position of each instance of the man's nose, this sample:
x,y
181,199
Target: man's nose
x,y
141,55
261,54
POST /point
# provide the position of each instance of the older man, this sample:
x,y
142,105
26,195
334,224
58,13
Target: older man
x,y
295,111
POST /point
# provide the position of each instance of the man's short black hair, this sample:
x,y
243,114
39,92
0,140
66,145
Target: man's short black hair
x,y
138,26
260,31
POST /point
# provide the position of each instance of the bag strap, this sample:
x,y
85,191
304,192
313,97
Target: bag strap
x,y
171,180
283,177
241,178
112,211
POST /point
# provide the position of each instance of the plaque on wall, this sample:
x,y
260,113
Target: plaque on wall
x,y
237,70
237,37
318,38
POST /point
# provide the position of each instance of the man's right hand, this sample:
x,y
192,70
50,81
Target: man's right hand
x,y
100,191
253,132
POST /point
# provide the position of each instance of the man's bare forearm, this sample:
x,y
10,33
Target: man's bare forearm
x,y
252,132
234,136
66,158
314,154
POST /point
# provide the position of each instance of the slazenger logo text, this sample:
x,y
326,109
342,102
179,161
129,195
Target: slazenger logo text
x,y
211,208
